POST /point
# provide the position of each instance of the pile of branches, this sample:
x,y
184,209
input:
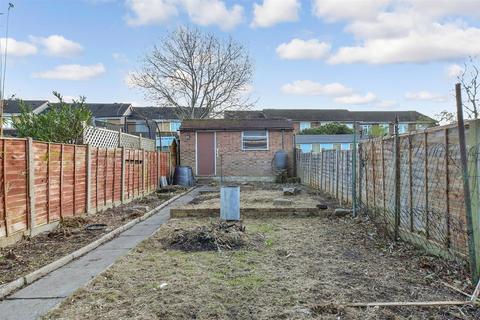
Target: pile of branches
x,y
217,236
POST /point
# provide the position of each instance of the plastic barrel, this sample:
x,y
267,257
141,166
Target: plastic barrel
x,y
183,176
280,160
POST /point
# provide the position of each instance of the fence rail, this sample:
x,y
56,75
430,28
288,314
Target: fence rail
x,y
424,203
45,182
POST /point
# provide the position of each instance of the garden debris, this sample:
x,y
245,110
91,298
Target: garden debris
x,y
290,191
341,212
221,235
282,202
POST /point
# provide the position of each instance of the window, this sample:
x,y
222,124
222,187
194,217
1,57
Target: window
x,y
7,123
305,147
345,146
141,127
326,146
166,142
402,128
304,125
255,140
175,126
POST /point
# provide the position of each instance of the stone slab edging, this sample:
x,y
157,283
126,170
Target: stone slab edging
x,y
8,288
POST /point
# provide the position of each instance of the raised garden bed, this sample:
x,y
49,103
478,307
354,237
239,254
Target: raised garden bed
x,y
33,253
257,202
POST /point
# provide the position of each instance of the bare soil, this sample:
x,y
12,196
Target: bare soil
x,y
32,253
254,198
303,269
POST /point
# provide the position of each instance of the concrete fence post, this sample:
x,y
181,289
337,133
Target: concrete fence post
x,y
31,184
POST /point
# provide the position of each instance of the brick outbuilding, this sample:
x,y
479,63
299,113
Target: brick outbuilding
x,y
237,150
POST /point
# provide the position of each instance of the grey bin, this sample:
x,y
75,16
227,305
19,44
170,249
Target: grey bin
x,y
230,203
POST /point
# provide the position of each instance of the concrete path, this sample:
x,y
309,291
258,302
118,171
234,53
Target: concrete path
x,y
37,299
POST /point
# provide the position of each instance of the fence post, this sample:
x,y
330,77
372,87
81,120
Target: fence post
x,y
31,185
427,209
473,227
397,180
447,186
337,173
88,187
354,172
122,178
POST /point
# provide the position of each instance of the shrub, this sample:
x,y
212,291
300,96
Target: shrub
x,y
61,123
329,128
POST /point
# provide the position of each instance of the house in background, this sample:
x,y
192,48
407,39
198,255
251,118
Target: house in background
x,y
368,121
159,123
12,109
238,150
317,142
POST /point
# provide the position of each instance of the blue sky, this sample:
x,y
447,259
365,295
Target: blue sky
x,y
357,54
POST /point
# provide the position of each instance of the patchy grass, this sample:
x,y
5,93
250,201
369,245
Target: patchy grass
x,y
303,265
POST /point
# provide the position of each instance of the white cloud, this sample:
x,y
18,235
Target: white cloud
x,y
311,88
454,70
213,12
72,72
403,31
201,12
357,99
435,42
119,57
334,10
18,48
271,12
303,49
58,46
144,12
425,96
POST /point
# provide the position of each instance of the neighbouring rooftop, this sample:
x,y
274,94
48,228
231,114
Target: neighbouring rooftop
x,y
341,115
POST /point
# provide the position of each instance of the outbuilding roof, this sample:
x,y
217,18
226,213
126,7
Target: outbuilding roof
x,y
236,124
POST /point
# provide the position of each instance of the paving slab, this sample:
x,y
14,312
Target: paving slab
x,y
27,309
38,298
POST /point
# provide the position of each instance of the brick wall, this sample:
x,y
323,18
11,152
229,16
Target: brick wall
x,y
235,162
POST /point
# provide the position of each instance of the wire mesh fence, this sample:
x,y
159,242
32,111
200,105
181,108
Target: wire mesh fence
x,y
423,204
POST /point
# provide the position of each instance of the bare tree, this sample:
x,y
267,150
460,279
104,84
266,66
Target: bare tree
x,y
197,73
445,117
469,79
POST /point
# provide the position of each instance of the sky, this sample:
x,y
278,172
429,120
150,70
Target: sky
x,y
350,54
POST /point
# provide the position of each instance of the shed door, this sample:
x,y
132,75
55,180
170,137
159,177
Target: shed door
x,y
206,153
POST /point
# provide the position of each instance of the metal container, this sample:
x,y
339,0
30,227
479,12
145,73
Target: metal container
x,y
280,160
183,176
230,203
